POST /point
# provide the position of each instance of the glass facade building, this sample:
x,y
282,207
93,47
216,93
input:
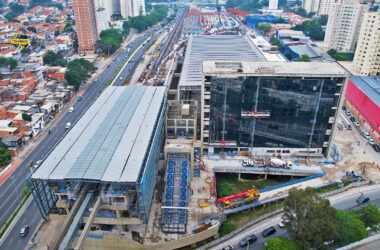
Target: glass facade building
x,y
272,111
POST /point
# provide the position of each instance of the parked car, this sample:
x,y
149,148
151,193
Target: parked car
x,y
71,109
348,113
268,232
376,147
371,141
24,231
357,124
281,224
352,119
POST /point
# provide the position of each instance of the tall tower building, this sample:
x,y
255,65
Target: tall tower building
x,y
85,23
132,8
343,25
103,13
326,5
273,4
311,5
367,54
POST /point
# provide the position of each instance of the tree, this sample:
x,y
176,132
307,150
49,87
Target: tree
x,y
110,40
8,62
281,243
370,215
350,227
15,10
77,71
274,41
247,5
312,28
5,156
304,58
309,219
53,59
125,28
141,23
264,27
26,117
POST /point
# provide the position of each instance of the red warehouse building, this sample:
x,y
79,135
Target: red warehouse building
x,y
363,99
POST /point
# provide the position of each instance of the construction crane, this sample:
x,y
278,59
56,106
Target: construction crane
x,y
237,200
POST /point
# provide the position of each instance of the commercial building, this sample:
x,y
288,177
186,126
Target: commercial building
x,y
214,47
270,107
363,100
367,56
311,5
107,162
132,8
85,24
343,25
273,4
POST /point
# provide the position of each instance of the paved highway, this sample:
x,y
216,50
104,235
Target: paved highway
x,y
10,191
346,200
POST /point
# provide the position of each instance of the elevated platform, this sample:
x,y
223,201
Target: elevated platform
x,y
235,165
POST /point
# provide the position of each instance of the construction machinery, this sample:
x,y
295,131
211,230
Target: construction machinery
x,y
237,200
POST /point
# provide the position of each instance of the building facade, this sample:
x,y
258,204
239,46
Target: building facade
x,y
363,99
325,6
343,25
367,54
311,6
273,4
268,106
85,24
104,10
131,8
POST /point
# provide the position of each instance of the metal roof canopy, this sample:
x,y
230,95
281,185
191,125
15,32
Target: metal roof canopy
x,y
213,48
110,141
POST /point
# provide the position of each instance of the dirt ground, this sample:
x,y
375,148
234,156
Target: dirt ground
x,y
356,154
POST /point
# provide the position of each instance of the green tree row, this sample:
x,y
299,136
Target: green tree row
x,y
141,23
53,59
312,28
247,5
312,223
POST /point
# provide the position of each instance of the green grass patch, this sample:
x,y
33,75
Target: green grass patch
x,y
328,188
227,184
4,227
238,220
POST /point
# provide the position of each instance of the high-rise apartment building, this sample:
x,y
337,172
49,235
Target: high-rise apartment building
x,y
273,4
367,55
326,5
311,5
132,8
85,23
103,13
343,25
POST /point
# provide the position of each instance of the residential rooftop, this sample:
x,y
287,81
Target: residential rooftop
x,y
215,47
317,69
109,143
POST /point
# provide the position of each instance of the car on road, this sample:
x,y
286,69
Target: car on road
x,y
229,247
37,164
281,224
248,240
68,125
71,109
24,231
376,147
268,232
371,141
362,199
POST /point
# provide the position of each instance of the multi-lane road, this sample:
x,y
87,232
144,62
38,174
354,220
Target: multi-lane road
x,y
345,200
120,69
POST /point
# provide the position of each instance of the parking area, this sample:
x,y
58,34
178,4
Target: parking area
x,y
356,148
